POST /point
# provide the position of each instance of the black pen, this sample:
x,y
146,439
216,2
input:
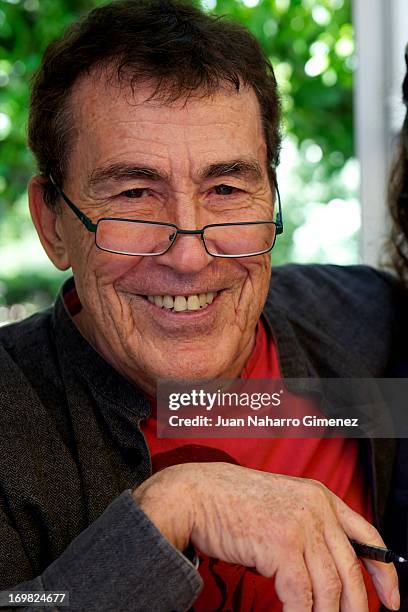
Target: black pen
x,y
377,553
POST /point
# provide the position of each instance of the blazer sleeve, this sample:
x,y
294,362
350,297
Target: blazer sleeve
x,y
120,562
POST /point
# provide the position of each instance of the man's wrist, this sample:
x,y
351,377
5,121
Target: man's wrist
x,y
165,501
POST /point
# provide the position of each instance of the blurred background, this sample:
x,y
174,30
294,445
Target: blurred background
x,y
340,119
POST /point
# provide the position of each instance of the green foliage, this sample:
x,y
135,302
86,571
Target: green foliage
x,y
304,38
42,286
26,28
309,42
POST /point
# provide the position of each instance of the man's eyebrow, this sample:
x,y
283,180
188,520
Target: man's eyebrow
x,y
236,167
119,172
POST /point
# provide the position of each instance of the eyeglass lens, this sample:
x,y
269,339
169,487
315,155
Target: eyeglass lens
x,y
135,238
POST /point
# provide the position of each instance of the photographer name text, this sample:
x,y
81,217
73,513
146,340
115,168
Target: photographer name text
x,y
257,421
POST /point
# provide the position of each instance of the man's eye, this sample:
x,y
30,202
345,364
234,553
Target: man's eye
x,y
224,190
134,193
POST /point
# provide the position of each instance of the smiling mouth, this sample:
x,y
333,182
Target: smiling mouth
x,y
182,303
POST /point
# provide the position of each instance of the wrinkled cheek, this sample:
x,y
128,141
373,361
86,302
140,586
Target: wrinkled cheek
x,y
259,272
92,270
103,274
111,266
255,289
107,268
263,273
82,251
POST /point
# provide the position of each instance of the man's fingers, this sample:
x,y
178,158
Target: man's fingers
x,y
391,596
293,585
354,594
385,580
326,582
384,575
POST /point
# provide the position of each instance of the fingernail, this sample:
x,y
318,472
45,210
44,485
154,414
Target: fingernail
x,y
395,599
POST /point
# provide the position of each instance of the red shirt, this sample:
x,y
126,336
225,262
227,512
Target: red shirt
x,y
334,462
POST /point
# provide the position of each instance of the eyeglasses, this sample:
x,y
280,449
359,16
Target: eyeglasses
x,y
152,238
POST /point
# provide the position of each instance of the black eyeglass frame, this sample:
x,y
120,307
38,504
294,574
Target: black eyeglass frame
x,y
93,227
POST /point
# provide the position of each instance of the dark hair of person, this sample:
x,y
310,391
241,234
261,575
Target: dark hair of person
x,y
398,194
170,43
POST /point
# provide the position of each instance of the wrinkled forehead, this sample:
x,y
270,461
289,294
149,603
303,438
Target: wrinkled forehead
x,y
110,115
102,83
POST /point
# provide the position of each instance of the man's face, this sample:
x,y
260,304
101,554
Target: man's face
x,y
190,149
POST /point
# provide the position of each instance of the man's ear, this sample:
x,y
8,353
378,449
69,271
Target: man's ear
x,y
48,224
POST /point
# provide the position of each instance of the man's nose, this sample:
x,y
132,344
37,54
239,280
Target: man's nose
x,y
186,255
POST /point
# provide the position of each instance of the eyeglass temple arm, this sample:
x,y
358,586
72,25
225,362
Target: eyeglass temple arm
x,y
90,226
279,217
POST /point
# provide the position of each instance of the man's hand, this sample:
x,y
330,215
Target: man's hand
x,y
294,529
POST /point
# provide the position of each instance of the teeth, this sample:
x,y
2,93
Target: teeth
x,y
179,303
193,303
168,301
202,298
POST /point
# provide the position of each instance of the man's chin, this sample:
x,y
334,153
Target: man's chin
x,y
191,369
188,374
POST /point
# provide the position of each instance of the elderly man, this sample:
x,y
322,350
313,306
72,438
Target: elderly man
x,y
156,132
